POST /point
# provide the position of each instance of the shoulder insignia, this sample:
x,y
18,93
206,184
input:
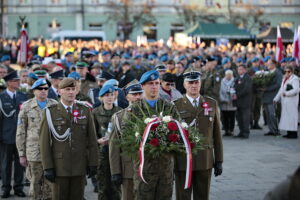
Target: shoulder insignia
x,y
84,103
210,99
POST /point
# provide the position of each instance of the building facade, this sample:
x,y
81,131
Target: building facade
x,y
158,19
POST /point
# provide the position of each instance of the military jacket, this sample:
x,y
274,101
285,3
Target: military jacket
x,y
9,110
166,161
72,156
211,84
120,163
208,126
28,130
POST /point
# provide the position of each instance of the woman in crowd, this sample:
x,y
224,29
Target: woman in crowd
x,y
227,109
288,95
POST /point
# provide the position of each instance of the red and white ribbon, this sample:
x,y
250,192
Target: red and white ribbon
x,y
187,145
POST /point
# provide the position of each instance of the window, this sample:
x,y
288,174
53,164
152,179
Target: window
x,y
95,27
287,2
54,24
24,1
150,31
176,28
209,3
55,1
238,2
287,24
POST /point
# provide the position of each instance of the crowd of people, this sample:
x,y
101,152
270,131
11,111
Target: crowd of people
x,y
97,83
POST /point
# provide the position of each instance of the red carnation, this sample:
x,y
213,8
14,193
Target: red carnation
x,y
154,142
153,127
173,137
172,126
186,133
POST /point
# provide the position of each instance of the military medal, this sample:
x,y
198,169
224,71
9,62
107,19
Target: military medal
x,y
75,113
207,108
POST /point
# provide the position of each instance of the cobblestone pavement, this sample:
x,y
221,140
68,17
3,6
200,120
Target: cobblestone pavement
x,y
251,167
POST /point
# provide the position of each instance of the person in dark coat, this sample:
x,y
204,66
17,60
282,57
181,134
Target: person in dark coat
x,y
243,101
126,76
10,103
55,79
179,77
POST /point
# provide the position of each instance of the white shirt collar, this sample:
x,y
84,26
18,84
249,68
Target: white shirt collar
x,y
65,106
192,99
54,89
10,93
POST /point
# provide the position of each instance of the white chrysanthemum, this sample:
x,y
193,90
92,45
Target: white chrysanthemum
x,y
259,72
184,125
147,120
167,118
137,134
266,72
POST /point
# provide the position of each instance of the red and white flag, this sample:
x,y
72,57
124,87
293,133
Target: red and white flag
x,y
279,46
296,46
24,47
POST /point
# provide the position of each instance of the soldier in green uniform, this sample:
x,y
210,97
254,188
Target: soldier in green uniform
x,y
121,165
27,139
257,95
203,113
157,172
88,81
212,82
68,144
79,96
102,117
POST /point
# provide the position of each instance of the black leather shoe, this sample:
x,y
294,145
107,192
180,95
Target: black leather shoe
x,y
20,193
5,194
269,134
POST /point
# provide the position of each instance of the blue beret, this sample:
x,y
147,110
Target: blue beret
x,y
40,82
164,58
115,55
11,76
266,58
69,53
112,82
240,60
225,60
283,60
57,74
5,58
95,52
152,57
33,76
126,56
37,57
138,56
149,76
255,59
74,75
106,89
181,58
291,59
104,53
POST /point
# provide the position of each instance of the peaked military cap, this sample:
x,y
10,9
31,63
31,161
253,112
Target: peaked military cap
x,y
104,76
149,76
81,64
168,77
67,82
225,61
160,67
133,87
57,74
11,76
191,75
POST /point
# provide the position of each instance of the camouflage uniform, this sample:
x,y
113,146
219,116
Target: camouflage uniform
x,y
158,172
27,140
106,189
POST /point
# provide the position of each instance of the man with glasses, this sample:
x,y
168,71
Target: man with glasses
x,y
167,90
27,139
10,103
203,113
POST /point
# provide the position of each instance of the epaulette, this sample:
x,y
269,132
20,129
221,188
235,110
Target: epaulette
x,y
210,98
84,103
53,105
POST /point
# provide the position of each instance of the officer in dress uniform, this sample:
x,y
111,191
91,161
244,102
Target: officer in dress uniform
x,y
68,136
55,79
203,113
102,117
10,103
121,165
27,139
158,172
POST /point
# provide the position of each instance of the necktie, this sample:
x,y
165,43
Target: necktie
x,y
14,99
69,112
195,103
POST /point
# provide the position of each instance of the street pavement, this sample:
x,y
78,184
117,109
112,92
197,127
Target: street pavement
x,y
251,166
